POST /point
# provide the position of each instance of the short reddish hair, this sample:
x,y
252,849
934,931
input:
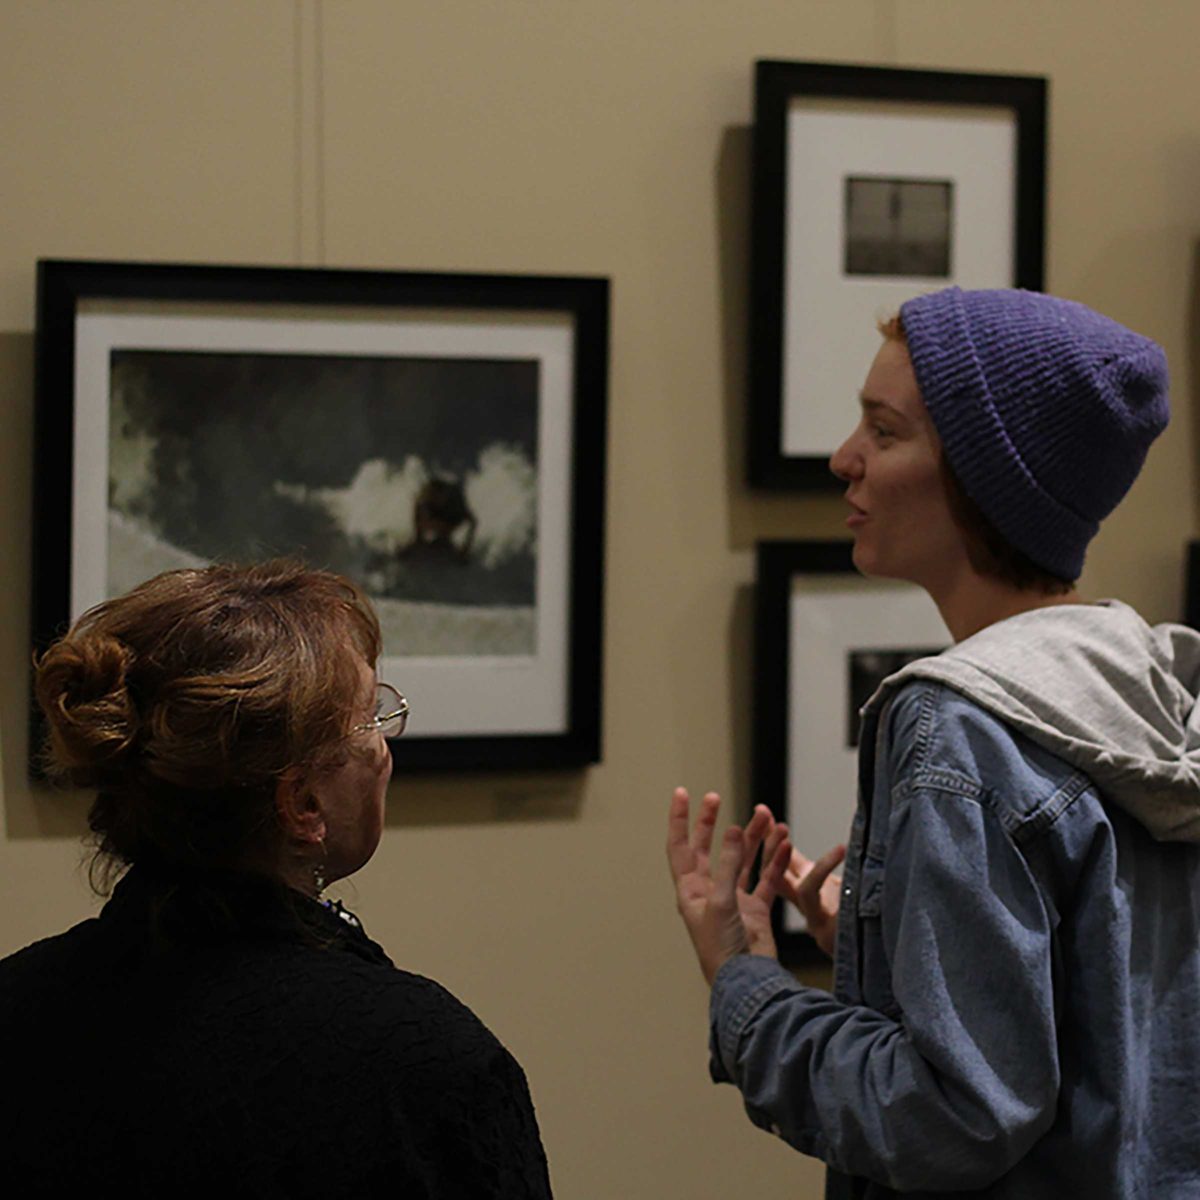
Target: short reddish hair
x,y
184,702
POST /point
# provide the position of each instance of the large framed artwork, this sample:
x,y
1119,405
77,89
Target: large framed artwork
x,y
438,437
825,638
870,186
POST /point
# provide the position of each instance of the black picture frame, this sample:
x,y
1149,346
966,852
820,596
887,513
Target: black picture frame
x,y
816,125
1191,583
565,319
824,636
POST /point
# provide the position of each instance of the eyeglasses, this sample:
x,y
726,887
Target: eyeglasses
x,y
391,713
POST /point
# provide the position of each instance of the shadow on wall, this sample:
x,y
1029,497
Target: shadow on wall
x,y
740,660
426,799
33,809
30,810
753,514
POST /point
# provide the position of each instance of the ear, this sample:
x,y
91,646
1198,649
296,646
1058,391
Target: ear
x,y
299,810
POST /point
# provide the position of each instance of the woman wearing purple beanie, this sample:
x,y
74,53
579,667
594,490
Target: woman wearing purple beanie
x,y
1017,931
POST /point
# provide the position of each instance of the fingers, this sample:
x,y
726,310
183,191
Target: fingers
x,y
729,867
706,823
777,854
760,825
679,852
689,852
800,865
808,888
823,867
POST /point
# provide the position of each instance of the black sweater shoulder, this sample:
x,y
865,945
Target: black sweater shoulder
x,y
273,1057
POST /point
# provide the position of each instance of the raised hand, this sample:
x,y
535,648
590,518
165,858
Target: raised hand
x,y
723,916
815,891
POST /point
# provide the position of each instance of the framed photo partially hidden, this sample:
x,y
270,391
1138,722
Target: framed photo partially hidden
x,y
1191,584
825,638
870,186
438,438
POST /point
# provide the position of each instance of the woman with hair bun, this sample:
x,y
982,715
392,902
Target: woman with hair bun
x,y
220,1026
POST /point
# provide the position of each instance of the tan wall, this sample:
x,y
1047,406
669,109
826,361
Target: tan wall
x,y
592,136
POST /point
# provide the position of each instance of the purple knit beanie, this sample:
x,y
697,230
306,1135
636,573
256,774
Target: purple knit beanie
x,y
1045,410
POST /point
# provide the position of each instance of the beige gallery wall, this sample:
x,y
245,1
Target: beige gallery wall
x,y
563,136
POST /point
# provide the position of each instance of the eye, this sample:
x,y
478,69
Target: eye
x,y
881,432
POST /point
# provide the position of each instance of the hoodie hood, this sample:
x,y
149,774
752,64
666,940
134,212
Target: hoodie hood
x,y
1098,687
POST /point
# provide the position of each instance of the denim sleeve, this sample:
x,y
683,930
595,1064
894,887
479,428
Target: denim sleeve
x,y
953,1083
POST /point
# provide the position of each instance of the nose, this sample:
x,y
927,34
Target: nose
x,y
846,461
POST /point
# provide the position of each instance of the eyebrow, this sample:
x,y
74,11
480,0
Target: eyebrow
x,y
874,406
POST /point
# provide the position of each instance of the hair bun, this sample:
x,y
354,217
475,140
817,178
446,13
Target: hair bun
x,y
81,686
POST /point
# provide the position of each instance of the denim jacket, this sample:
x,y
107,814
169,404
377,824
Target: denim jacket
x,y
1017,978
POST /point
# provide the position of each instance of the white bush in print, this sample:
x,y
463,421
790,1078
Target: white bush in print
x,y
503,490
378,504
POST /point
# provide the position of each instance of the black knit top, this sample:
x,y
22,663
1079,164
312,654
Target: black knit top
x,y
226,1036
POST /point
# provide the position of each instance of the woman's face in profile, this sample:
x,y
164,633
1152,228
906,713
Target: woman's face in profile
x,y
900,514
353,794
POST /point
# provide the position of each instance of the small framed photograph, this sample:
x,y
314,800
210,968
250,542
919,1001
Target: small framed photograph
x,y
438,438
825,638
870,186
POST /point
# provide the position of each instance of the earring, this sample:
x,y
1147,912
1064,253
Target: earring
x,y
318,872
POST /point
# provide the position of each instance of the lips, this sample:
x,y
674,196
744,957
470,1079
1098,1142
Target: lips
x,y
857,515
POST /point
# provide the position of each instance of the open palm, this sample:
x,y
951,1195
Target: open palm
x,y
723,915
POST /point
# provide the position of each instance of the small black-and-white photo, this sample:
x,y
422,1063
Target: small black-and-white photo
x,y
865,671
899,227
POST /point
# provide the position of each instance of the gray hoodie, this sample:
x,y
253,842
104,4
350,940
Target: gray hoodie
x,y
1100,689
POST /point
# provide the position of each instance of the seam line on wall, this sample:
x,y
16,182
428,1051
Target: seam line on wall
x,y
309,133
298,126
319,126
887,21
